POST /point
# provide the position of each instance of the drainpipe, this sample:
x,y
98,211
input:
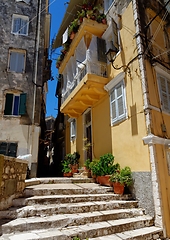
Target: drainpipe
x,y
34,131
154,173
36,60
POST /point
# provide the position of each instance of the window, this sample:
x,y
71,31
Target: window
x,y
15,104
107,4
25,1
101,50
73,129
20,24
117,102
8,149
164,88
111,37
16,61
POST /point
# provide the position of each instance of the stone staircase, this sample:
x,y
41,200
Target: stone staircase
x,y
64,208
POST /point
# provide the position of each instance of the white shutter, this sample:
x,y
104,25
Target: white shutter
x,y
20,62
16,25
165,93
73,128
23,26
12,61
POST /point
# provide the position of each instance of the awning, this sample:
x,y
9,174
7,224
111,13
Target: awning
x,y
73,7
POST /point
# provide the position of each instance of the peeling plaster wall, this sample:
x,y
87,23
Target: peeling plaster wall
x,y
16,128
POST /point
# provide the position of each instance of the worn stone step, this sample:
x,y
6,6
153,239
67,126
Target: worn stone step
x,y
57,199
56,221
47,210
66,189
57,180
85,231
147,233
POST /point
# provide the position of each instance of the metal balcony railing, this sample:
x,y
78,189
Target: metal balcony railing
x,y
96,68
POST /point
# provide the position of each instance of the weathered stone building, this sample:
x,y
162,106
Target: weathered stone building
x,y
24,70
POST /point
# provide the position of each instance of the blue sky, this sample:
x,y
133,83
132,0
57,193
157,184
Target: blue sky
x,y
57,10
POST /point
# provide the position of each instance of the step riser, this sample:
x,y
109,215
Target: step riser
x,y
47,192
48,200
76,209
113,229
67,222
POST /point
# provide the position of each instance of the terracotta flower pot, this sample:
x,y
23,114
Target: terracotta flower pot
x,y
104,180
74,168
69,174
118,188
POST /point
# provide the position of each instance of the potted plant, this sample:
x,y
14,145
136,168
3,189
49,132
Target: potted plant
x,y
87,167
73,28
66,168
94,168
121,178
74,160
80,15
106,167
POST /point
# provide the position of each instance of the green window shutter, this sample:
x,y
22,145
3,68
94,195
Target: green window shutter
x,y
12,149
8,104
101,50
3,148
22,104
115,35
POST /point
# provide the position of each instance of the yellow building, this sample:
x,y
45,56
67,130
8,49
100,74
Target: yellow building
x,y
121,106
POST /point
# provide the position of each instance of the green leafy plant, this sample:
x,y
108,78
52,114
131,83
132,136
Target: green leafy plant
x,y
87,163
123,176
66,166
94,166
106,165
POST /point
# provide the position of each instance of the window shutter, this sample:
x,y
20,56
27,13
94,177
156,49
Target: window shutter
x,y
12,63
16,25
23,27
3,148
164,93
101,50
115,35
73,128
120,101
12,149
8,104
20,62
22,105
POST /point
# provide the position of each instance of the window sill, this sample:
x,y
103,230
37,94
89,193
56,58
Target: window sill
x,y
12,116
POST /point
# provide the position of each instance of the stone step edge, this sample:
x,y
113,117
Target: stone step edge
x,y
18,212
85,230
22,224
136,233
67,198
36,181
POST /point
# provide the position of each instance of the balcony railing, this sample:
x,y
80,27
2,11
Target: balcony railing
x,y
95,68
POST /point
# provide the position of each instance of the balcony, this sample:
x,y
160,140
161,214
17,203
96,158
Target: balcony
x,y
86,88
87,28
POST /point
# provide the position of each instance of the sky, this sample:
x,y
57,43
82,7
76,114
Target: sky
x,y
57,10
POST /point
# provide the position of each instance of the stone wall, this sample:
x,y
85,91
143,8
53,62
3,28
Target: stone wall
x,y
12,179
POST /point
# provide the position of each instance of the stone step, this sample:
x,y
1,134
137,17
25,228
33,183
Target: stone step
x,y
65,208
63,220
57,199
66,189
59,180
147,233
85,231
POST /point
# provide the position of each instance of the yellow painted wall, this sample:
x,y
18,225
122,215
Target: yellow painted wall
x,y
127,143
101,128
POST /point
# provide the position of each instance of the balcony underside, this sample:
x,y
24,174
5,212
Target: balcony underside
x,y
88,92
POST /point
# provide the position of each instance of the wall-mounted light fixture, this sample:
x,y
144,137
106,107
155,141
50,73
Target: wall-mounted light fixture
x,y
111,54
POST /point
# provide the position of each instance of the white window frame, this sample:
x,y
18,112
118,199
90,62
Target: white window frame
x,y
112,85
19,51
160,73
25,1
20,28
